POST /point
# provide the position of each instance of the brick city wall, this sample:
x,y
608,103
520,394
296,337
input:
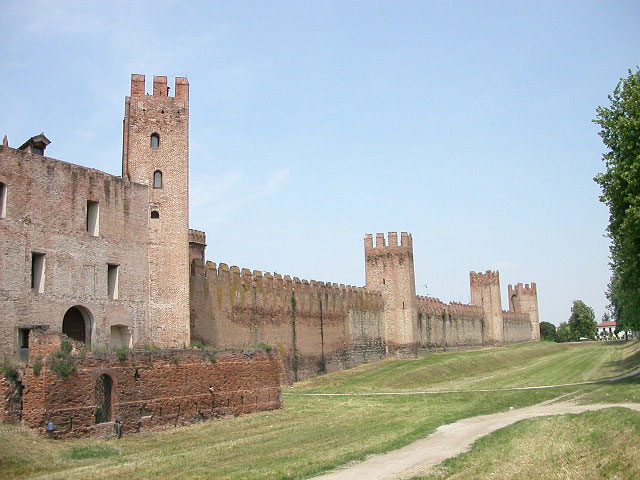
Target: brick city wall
x,y
46,212
517,327
442,326
316,327
151,389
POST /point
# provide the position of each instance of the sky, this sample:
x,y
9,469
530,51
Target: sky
x,y
467,124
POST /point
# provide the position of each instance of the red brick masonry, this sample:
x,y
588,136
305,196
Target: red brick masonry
x,y
151,389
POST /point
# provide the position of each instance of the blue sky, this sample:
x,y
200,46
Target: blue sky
x,y
467,124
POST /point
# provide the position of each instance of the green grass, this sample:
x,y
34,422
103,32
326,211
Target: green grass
x,y
593,445
313,434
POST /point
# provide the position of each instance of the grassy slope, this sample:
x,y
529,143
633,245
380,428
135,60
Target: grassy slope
x,y
595,445
313,434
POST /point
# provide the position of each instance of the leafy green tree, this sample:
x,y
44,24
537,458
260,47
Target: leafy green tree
x,y
620,183
582,322
547,331
563,333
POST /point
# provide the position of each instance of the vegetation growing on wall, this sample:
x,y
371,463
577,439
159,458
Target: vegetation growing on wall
x,y
62,361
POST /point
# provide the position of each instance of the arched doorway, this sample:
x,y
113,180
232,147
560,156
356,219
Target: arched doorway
x,y
103,398
76,324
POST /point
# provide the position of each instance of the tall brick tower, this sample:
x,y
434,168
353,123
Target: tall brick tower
x,y
389,269
485,292
156,153
525,299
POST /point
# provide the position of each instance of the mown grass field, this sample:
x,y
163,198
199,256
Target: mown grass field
x,y
592,445
313,434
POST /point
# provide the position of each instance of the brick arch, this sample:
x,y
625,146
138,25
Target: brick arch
x,y
77,324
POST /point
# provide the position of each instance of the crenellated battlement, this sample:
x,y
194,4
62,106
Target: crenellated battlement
x,y
266,280
196,236
382,244
520,289
435,306
160,87
487,278
517,317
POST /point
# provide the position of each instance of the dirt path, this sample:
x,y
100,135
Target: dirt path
x,y
451,440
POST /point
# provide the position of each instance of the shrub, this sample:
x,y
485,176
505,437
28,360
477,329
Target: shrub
x,y
65,346
175,359
63,362
37,366
212,357
9,370
197,344
122,353
265,346
150,348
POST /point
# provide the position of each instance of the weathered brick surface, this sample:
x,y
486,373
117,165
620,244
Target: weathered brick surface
x,y
316,327
47,213
167,117
9,401
152,389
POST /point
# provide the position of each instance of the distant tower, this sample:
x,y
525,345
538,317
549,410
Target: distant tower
x,y
524,299
389,269
156,153
485,292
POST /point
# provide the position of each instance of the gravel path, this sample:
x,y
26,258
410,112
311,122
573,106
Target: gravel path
x,y
451,440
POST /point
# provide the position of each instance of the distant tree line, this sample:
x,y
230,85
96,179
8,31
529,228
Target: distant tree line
x,y
581,324
620,183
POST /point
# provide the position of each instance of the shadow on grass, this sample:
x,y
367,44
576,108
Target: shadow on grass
x,y
629,363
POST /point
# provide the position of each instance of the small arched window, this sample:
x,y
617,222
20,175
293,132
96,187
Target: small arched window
x,y
155,214
157,179
155,140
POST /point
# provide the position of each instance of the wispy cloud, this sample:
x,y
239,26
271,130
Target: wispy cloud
x,y
502,265
215,198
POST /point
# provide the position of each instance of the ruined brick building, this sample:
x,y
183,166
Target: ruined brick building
x,y
110,261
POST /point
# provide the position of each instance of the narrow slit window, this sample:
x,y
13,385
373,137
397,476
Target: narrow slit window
x,y
155,140
93,218
23,344
157,179
37,271
113,274
3,200
155,214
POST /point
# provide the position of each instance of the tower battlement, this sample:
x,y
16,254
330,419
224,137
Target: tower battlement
x,y
487,278
160,87
520,289
381,243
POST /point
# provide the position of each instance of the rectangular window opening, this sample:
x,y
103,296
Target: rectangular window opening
x,y
113,272
23,344
37,271
93,218
3,200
